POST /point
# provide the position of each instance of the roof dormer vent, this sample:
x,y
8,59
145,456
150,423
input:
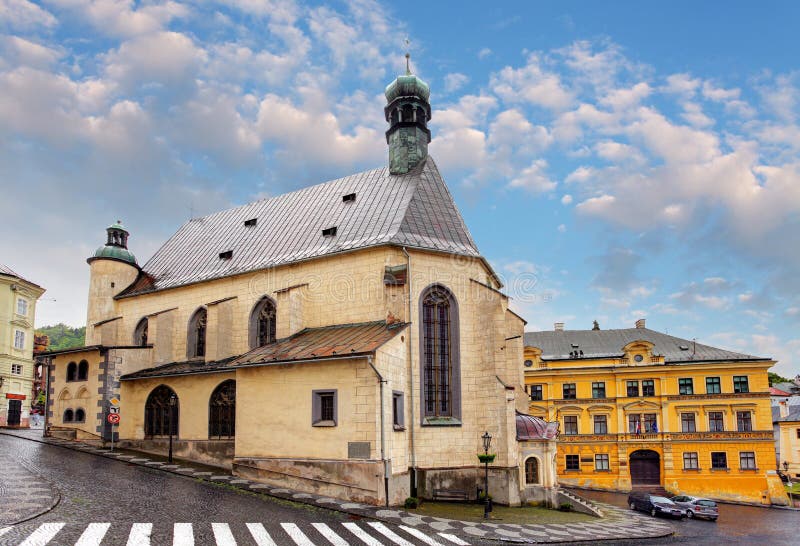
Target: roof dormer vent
x,y
349,198
329,232
684,347
227,255
251,222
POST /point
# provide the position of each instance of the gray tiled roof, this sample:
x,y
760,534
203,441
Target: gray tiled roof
x,y
609,343
794,414
8,272
414,210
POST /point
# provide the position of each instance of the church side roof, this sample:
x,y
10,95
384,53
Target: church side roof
x,y
8,272
609,343
414,210
308,345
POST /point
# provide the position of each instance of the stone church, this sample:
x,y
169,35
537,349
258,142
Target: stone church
x,y
347,339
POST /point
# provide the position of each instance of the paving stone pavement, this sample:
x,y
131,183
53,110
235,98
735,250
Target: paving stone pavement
x,y
616,523
25,494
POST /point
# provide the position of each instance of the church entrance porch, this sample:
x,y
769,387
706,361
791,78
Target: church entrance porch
x,y
645,466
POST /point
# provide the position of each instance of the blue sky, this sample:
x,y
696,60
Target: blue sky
x,y
612,160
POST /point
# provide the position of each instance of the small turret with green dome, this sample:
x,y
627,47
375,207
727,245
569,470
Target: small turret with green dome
x,y
408,113
116,246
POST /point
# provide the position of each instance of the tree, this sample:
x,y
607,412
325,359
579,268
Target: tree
x,y
63,336
775,378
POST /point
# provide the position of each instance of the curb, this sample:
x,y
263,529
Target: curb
x,y
606,529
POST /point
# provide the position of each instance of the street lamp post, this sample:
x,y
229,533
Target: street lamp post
x,y
173,401
487,441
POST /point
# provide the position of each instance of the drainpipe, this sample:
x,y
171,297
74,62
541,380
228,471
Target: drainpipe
x,y
409,276
386,468
46,368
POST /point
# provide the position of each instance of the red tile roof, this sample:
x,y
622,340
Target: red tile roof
x,y
777,392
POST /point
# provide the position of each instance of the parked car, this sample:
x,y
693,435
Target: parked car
x,y
655,505
697,507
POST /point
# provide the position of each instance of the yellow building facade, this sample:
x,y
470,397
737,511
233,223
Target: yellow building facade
x,y
638,408
18,299
346,339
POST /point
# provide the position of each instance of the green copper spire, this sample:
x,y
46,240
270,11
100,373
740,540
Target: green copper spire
x,y
116,246
408,113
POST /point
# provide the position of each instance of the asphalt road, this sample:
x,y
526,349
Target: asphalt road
x,y
737,525
137,501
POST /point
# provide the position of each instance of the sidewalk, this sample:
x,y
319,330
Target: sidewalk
x,y
616,524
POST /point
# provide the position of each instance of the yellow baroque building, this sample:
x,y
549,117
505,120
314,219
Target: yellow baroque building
x,y
640,408
346,338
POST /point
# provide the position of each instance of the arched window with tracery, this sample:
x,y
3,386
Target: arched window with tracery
x,y
72,371
532,471
80,415
160,411
196,342
222,411
262,323
441,370
69,416
83,370
140,333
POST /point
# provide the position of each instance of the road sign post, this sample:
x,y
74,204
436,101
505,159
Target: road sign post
x,y
113,419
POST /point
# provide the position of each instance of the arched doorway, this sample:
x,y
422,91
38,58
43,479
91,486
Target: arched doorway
x,y
645,466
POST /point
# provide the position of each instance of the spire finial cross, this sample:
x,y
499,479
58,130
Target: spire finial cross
x,y
408,57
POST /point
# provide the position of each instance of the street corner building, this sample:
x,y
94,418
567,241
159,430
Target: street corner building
x,y
346,339
640,408
18,298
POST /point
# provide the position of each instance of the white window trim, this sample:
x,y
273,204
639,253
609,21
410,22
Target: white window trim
x,y
19,335
24,302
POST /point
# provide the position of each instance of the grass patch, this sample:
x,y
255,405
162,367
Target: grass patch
x,y
506,514
795,488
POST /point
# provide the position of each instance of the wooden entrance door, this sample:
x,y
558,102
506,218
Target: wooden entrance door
x,y
14,412
645,467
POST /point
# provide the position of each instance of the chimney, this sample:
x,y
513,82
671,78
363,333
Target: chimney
x,y
559,326
784,406
640,323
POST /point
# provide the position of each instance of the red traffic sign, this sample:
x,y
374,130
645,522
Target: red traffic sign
x,y
113,418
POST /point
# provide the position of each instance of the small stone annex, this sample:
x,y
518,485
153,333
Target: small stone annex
x,y
346,339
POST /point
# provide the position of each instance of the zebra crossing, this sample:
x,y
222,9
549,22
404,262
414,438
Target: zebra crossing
x,y
372,533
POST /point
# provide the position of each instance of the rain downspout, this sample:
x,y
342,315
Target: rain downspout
x,y
386,468
409,276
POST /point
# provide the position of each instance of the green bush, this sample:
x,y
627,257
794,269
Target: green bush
x,y
565,507
412,502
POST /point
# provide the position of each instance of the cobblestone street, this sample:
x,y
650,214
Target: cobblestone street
x,y
135,501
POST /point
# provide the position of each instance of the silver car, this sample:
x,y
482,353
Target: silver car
x,y
697,507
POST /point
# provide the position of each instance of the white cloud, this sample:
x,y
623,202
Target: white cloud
x,y
484,52
454,81
124,18
566,199
16,51
581,174
531,84
25,15
534,178
562,228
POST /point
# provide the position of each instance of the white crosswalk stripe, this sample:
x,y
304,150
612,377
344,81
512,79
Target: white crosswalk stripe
x,y
454,539
223,534
43,534
361,534
260,535
182,534
330,534
420,535
388,533
140,534
93,535
296,534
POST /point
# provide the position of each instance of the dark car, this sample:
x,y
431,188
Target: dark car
x,y
697,507
655,505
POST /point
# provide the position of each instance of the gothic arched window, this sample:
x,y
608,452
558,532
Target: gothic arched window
x,y
222,411
532,471
80,416
83,371
196,341
441,370
160,411
69,416
140,333
262,323
72,371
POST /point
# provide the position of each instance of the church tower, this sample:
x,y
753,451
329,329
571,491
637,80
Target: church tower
x,y
408,113
112,268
